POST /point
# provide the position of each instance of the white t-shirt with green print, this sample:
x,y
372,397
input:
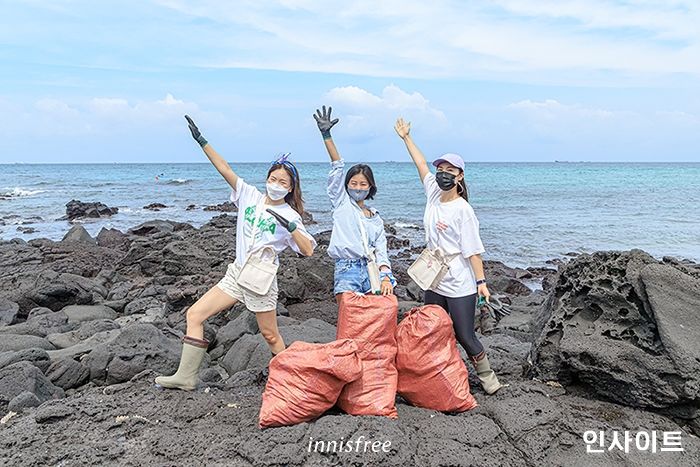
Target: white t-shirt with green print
x,y
246,197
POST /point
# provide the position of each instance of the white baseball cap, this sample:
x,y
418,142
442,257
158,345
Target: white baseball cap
x,y
450,158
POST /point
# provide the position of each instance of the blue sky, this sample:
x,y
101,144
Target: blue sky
x,y
501,80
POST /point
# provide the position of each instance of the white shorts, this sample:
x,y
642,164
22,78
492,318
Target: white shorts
x,y
252,301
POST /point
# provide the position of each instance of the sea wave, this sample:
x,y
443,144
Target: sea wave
x,y
14,219
178,181
18,192
407,225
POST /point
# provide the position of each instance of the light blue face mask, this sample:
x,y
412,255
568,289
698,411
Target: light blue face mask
x,y
358,195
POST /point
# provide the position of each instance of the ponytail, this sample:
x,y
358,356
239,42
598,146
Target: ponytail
x,y
462,189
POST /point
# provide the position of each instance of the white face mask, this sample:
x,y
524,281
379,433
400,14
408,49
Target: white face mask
x,y
276,192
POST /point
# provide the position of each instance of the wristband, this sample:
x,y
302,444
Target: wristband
x,y
383,275
202,142
326,134
481,281
291,227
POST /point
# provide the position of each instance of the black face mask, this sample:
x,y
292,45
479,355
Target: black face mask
x,y
445,180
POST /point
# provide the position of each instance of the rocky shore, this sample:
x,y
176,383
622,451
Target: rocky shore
x,y
610,343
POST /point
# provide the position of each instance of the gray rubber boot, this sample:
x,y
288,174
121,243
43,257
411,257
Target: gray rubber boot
x,y
187,374
486,375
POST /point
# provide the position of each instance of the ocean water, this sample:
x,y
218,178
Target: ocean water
x,y
529,212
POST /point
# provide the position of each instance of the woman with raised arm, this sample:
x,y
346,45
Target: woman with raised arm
x,y
358,235
451,225
267,223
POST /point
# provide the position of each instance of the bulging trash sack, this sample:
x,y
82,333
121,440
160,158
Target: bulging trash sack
x,y
432,374
305,380
370,321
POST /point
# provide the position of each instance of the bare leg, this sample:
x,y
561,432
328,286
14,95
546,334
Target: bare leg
x,y
211,303
267,322
194,347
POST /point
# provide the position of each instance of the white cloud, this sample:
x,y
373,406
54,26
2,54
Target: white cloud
x,y
55,107
108,106
444,38
393,99
680,118
367,115
142,112
580,125
354,97
170,100
571,41
104,115
551,108
663,19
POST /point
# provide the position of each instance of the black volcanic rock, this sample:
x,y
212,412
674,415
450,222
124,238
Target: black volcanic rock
x,y
76,209
150,276
227,206
78,234
625,327
155,206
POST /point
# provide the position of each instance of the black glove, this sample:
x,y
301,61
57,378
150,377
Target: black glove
x,y
195,132
324,122
290,226
497,309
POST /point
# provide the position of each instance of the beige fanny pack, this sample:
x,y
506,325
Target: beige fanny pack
x,y
260,268
431,266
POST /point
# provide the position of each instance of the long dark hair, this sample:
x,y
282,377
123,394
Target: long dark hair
x,y
293,198
365,170
462,189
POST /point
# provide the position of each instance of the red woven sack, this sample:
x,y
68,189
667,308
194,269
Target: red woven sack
x,y
305,381
370,321
432,374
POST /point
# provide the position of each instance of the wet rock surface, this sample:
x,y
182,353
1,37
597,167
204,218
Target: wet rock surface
x,y
76,209
610,344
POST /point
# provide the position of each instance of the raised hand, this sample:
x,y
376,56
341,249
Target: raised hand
x,y
324,122
196,134
402,128
290,226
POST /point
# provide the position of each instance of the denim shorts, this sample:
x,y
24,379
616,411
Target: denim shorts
x,y
351,276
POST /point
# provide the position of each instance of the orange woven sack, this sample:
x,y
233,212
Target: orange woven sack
x,y
432,374
305,381
370,321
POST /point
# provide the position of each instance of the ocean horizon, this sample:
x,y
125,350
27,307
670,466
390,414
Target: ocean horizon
x,y
529,212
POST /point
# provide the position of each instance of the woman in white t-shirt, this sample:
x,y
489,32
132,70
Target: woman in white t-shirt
x,y
265,220
452,226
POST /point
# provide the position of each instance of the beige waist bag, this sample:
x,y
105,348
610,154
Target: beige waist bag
x,y
260,268
431,266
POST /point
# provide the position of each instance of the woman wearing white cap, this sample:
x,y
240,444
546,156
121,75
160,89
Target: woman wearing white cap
x,y
452,226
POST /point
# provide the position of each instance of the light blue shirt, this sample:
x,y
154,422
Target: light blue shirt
x,y
346,238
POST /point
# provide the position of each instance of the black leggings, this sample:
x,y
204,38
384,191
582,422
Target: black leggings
x,y
462,311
